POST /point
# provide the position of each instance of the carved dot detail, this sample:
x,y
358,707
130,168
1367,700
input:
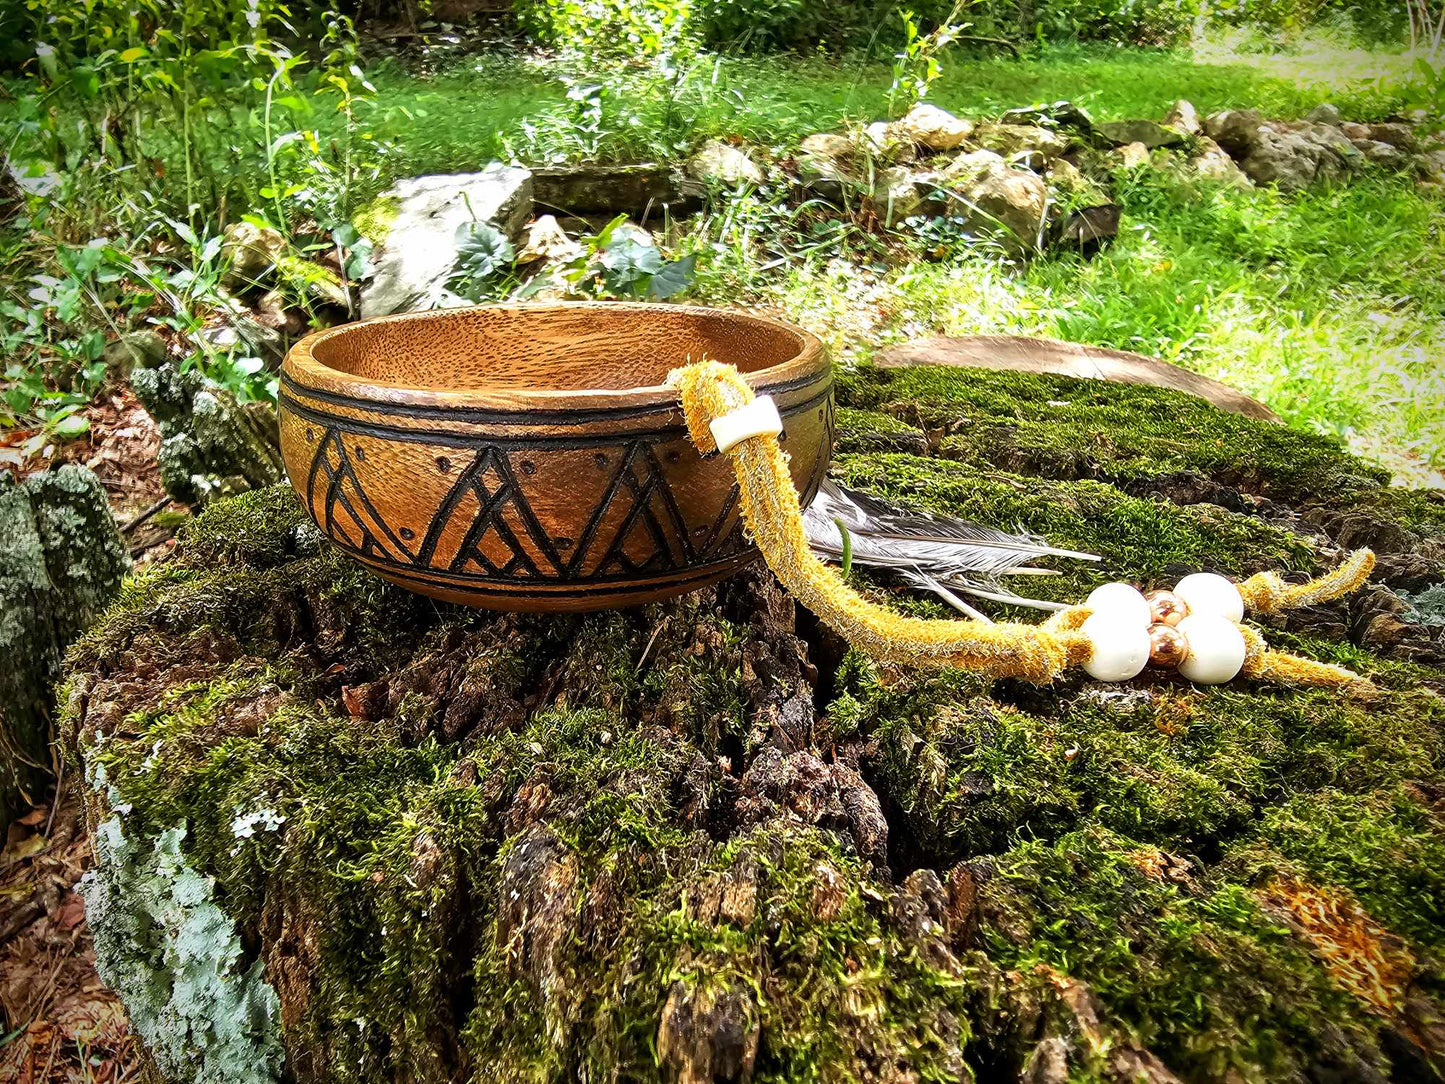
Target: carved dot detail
x,y
360,453
528,467
600,460
407,533
443,464
310,435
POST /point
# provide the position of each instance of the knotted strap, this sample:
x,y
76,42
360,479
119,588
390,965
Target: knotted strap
x,y
712,390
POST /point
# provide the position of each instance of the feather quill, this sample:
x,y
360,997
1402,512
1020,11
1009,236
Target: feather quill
x,y
937,553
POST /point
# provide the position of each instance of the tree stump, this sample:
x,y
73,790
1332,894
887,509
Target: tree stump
x,y
348,834
61,562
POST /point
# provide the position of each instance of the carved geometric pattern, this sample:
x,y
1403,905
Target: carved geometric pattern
x,y
636,526
346,511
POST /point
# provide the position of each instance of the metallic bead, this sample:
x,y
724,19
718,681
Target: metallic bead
x,y
1168,647
1166,608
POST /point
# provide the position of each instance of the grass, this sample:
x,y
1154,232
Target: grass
x,y
1328,306
499,105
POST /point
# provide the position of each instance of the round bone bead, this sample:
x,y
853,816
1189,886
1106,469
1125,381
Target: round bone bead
x,y
1165,607
1119,600
1216,649
1168,647
1207,593
1120,648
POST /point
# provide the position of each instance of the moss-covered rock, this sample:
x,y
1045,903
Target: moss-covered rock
x,y
701,841
61,562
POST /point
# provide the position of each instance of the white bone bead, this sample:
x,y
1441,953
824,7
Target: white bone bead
x,y
1216,649
1120,648
756,419
1121,601
1207,593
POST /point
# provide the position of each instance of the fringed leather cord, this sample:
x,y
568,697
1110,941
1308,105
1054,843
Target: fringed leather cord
x,y
721,409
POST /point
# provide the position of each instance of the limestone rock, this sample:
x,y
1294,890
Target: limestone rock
x,y
1325,113
61,563
418,255
1060,116
1132,156
1396,133
1355,132
1211,163
998,200
211,445
1431,166
885,142
1236,130
723,163
1380,154
1183,117
1006,139
632,188
895,193
1121,133
546,240
825,164
251,250
932,128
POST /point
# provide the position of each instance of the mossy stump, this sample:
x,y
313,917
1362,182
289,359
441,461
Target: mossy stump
x,y
346,833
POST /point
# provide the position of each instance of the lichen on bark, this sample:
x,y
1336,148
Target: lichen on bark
x,y
702,840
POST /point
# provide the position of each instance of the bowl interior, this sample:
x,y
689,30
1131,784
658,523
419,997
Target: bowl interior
x,y
564,348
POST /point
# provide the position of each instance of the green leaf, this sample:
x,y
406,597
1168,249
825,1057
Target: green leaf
x,y
85,80
131,55
72,426
673,277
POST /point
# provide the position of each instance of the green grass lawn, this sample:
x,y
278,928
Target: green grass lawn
x,y
1329,306
500,106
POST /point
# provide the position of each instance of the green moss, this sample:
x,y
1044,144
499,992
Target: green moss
x,y
374,220
1142,539
1064,428
1207,980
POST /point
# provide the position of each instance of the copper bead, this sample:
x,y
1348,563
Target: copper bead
x,y
1167,646
1166,608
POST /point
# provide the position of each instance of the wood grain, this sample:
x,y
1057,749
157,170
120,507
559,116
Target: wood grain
x,y
528,457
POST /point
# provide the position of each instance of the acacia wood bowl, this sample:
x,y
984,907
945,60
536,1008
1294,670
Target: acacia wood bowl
x,y
527,457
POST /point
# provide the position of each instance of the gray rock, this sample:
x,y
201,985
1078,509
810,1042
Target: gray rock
x,y
252,251
1062,116
997,200
1397,134
546,240
418,255
722,163
61,563
883,141
1431,166
637,188
1351,130
1236,130
1123,132
1380,154
1184,117
1289,156
211,445
144,347
1325,113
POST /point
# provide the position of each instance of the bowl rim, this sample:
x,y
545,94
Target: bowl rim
x,y
300,367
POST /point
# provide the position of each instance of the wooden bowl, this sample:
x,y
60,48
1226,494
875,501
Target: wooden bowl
x,y
527,457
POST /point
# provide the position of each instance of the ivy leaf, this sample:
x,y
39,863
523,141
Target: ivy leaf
x,y
482,250
673,277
